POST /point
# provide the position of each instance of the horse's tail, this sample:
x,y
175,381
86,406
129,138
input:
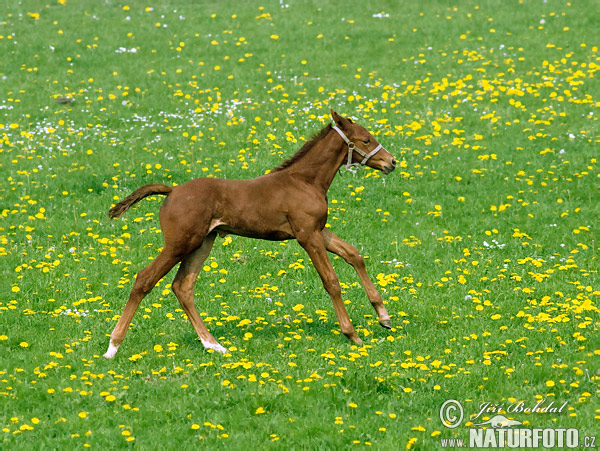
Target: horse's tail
x,y
139,194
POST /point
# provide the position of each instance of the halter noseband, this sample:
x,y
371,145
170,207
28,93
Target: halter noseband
x,y
352,148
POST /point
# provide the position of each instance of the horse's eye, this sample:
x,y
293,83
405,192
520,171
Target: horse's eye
x,y
366,141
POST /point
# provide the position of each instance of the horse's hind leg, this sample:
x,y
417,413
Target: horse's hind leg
x,y
352,256
183,287
144,282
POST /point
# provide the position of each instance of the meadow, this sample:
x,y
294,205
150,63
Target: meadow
x,y
483,242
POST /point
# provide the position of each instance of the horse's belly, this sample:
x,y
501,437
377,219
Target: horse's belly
x,y
271,235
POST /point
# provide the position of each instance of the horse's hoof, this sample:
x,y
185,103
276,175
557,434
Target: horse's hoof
x,y
386,323
356,340
111,351
214,346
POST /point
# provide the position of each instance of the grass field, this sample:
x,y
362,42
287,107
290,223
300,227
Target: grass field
x,y
483,243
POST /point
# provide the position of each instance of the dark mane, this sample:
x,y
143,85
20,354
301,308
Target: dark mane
x,y
304,149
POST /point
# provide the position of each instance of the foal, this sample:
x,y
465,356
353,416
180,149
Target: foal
x,y
288,203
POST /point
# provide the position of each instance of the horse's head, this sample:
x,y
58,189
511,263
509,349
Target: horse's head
x,y
363,148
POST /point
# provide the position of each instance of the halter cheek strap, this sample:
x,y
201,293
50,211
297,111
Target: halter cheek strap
x,y
352,148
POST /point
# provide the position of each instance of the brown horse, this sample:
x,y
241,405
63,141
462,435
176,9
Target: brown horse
x,y
290,202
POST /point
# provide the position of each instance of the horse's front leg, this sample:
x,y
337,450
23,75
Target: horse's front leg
x,y
314,244
349,253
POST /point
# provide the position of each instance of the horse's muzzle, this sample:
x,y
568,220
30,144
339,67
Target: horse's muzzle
x,y
389,168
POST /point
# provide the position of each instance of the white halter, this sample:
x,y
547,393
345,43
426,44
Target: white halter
x,y
352,148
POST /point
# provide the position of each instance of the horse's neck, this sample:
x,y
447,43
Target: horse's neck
x,y
320,165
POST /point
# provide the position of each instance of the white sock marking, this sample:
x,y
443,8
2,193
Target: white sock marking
x,y
214,346
112,350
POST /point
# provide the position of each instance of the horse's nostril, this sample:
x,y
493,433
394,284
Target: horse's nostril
x,y
393,162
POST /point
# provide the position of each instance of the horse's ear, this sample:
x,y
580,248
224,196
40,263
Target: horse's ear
x,y
340,121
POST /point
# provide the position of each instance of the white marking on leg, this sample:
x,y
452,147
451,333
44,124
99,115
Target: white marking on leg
x,y
112,350
214,346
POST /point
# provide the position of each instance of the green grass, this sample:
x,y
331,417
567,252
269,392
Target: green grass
x,y
483,243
